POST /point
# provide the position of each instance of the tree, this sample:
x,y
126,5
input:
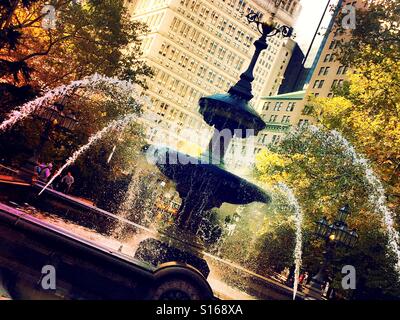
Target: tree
x,y
367,109
377,29
96,36
324,178
90,37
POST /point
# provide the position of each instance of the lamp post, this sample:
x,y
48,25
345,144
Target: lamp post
x,y
53,116
335,234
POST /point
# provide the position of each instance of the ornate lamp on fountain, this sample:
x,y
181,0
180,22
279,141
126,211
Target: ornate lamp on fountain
x,y
54,116
335,234
203,183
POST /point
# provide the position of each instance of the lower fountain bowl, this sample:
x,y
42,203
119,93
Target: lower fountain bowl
x,y
157,252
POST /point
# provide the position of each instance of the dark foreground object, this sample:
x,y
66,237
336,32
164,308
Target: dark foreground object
x,y
92,272
157,253
84,270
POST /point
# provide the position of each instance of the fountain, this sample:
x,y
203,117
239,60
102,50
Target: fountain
x,y
96,80
377,197
298,251
118,125
203,183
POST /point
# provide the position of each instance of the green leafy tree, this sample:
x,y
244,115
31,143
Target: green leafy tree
x,y
89,37
324,177
96,36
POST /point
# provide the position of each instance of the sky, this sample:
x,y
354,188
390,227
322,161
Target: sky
x,y
308,21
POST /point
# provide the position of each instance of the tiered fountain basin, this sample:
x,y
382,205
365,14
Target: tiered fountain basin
x,y
203,183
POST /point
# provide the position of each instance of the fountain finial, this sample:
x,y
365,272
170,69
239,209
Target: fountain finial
x,y
243,87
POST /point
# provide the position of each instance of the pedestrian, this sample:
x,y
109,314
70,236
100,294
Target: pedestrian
x,y
306,278
301,278
67,181
38,168
45,172
290,278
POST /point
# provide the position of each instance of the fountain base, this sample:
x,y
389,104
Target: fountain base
x,y
157,252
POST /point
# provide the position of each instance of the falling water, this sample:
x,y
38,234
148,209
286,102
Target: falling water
x,y
28,108
118,125
299,236
377,197
131,196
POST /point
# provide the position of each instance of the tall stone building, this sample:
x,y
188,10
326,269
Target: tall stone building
x,y
198,48
281,112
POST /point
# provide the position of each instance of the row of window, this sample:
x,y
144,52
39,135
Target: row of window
x,y
194,66
144,4
264,140
324,71
318,84
173,85
274,119
278,106
177,117
206,44
152,21
213,19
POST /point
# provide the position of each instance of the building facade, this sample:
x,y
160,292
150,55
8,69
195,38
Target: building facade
x,y
197,48
288,110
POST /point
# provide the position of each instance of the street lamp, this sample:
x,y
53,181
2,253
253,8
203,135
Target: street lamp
x,y
53,116
337,233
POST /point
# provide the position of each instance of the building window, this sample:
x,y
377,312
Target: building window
x,y
341,70
324,71
266,105
329,58
291,106
286,119
239,65
334,44
213,46
307,110
275,139
264,138
337,84
175,25
164,49
318,84
303,123
278,106
273,118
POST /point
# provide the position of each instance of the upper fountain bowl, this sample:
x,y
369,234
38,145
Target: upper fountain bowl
x,y
227,111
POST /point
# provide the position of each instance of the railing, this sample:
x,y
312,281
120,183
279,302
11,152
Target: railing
x,y
8,171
